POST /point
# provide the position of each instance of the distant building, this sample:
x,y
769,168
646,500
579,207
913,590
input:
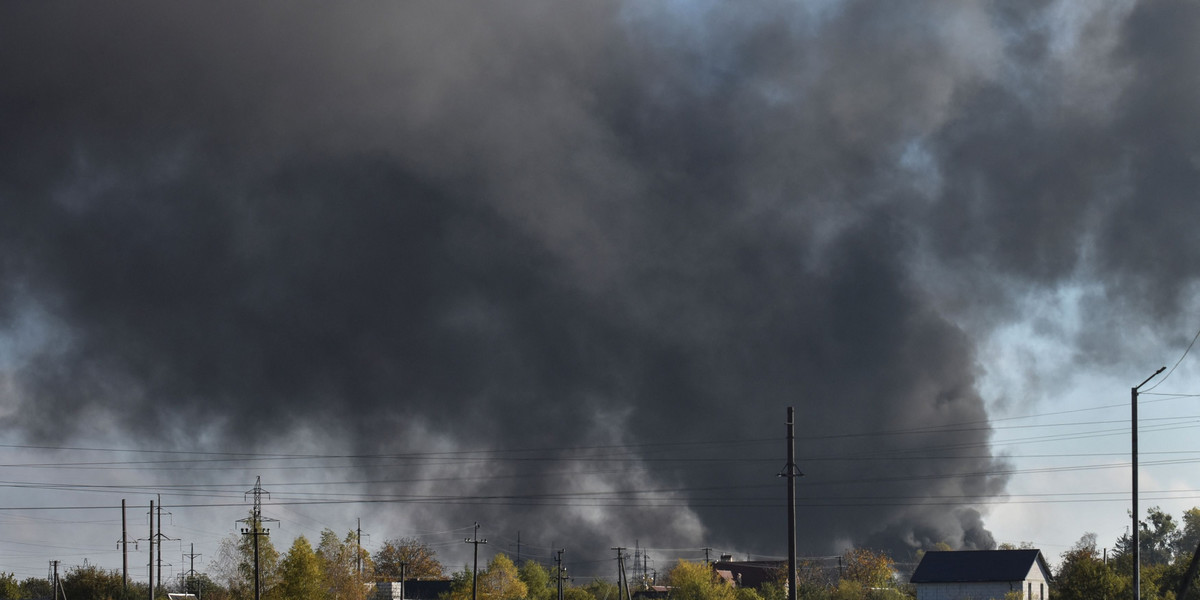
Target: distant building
x,y
749,573
654,592
982,575
413,589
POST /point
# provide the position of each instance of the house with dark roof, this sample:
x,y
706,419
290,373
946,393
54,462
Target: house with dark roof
x,y
749,573
982,575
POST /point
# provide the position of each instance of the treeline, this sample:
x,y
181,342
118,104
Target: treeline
x,y
337,569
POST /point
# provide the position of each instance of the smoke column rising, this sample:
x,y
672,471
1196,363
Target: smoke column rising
x,y
458,226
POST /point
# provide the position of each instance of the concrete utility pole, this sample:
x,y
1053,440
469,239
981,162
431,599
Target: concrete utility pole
x,y
403,573
622,581
54,566
791,473
255,529
151,582
1137,559
558,571
475,569
123,544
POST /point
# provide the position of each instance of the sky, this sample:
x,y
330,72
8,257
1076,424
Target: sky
x,y
560,269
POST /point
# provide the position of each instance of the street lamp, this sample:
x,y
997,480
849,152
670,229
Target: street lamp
x,y
1137,559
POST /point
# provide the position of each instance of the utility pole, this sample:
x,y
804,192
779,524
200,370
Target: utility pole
x,y
558,571
191,574
123,544
1137,559
791,473
151,539
159,537
637,556
358,557
706,551
475,569
403,573
622,582
54,567
254,528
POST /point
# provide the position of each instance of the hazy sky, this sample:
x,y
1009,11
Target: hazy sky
x,y
559,268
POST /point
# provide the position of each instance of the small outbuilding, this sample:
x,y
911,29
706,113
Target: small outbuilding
x,y
982,575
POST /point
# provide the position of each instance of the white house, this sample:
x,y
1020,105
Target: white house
x,y
982,575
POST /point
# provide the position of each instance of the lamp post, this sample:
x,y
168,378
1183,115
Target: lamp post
x,y
1137,559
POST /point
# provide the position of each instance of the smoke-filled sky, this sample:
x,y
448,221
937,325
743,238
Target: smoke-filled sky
x,y
559,268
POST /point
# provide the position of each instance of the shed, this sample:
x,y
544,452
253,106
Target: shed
x,y
982,575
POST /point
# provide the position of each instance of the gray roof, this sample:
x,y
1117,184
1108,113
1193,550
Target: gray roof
x,y
977,566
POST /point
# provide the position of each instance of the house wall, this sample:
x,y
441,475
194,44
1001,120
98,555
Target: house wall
x,y
965,591
985,591
387,590
1040,590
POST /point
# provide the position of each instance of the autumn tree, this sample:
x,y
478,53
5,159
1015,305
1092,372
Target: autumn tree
x,y
338,559
234,565
696,581
501,581
419,560
300,573
871,569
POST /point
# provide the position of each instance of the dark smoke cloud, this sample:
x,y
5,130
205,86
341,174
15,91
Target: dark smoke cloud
x,y
554,225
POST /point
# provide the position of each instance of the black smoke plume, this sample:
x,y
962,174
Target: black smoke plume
x,y
562,233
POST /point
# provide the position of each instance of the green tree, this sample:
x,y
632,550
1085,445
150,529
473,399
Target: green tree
x,y
581,593
10,588
695,581
92,583
419,559
1158,537
601,590
1189,535
202,586
537,581
1083,575
34,587
300,573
